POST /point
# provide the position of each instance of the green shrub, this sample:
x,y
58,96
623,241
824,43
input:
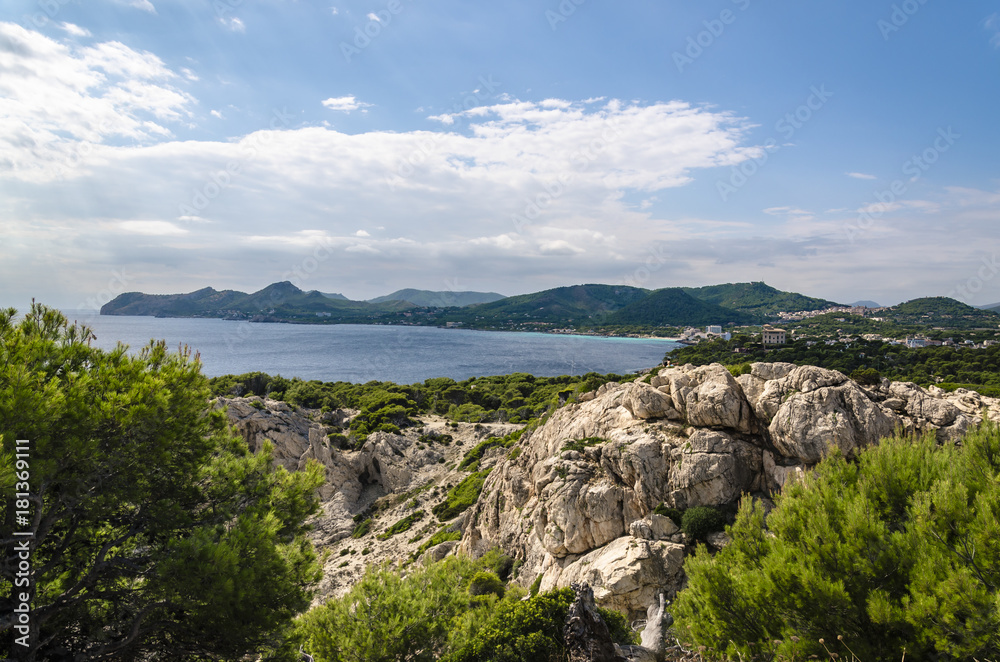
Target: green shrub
x,y
473,456
740,369
362,528
699,521
402,525
486,582
257,404
619,626
580,444
525,630
461,496
535,586
437,539
867,376
674,514
896,551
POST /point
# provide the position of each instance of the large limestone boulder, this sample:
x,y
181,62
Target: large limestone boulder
x,y
628,574
709,396
711,468
646,402
809,423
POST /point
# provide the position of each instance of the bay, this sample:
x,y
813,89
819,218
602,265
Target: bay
x,y
361,353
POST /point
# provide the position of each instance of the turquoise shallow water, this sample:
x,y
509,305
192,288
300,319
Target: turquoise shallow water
x,y
359,353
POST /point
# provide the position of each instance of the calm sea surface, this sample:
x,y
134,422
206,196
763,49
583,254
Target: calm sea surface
x,y
358,353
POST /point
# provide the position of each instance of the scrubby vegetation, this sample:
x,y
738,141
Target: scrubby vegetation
x,y
460,497
402,525
898,551
865,361
699,521
515,398
472,458
156,534
457,610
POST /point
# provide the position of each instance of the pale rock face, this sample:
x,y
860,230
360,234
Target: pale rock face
x,y
927,405
438,552
769,371
382,459
709,396
627,574
692,436
808,424
780,475
645,401
712,468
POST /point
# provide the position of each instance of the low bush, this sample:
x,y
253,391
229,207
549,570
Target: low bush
x,y
484,582
897,551
674,514
460,497
402,525
699,521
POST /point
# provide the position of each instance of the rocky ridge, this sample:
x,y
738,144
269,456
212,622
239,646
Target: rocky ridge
x,y
389,478
577,503
574,499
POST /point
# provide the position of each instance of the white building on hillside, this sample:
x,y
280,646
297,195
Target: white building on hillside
x,y
773,336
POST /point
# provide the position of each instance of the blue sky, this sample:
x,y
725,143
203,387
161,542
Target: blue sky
x,y
844,150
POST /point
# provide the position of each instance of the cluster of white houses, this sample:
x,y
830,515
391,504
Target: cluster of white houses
x,y
769,335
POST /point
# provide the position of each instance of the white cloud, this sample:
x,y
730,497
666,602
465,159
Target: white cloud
x,y
372,16
558,247
993,25
233,23
152,228
791,213
60,101
216,114
361,233
144,5
74,30
334,11
345,104
860,175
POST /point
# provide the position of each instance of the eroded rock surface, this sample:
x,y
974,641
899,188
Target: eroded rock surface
x,y
577,503
575,499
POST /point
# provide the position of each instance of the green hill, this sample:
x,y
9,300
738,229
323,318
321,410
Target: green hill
x,y
758,299
431,299
278,301
675,307
942,311
576,305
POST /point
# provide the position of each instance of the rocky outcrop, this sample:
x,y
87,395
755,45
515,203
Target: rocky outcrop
x,y
389,478
576,503
575,500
